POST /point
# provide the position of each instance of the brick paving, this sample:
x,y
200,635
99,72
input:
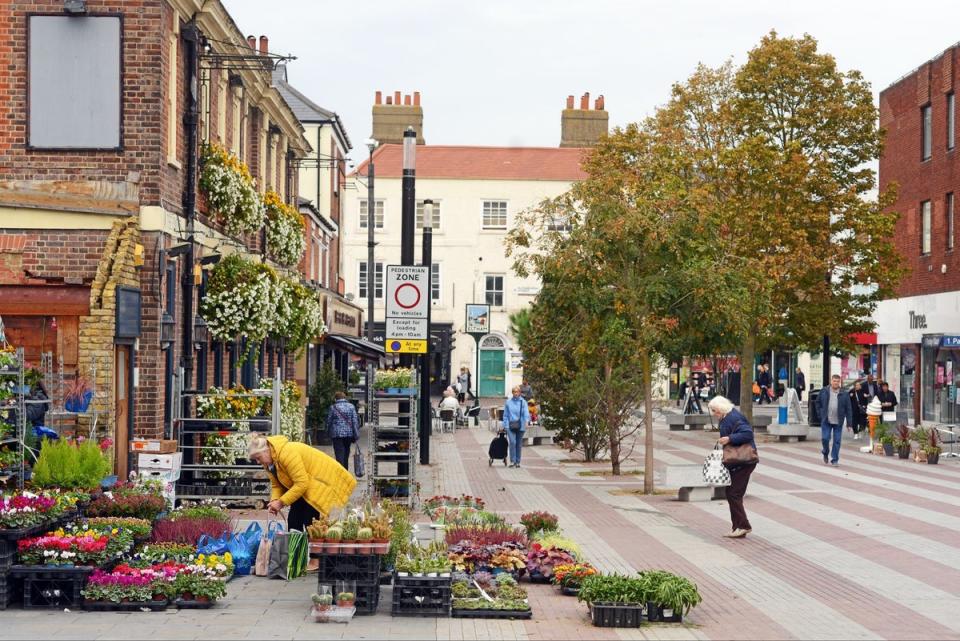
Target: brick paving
x,y
868,550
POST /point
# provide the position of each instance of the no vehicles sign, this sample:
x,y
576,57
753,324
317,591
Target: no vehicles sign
x,y
408,302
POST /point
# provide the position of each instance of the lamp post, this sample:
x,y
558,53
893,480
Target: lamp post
x,y
371,275
425,418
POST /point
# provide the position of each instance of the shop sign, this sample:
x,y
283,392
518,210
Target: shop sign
x,y
950,342
918,321
342,319
931,341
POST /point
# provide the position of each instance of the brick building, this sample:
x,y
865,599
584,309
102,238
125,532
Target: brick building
x,y
95,157
919,332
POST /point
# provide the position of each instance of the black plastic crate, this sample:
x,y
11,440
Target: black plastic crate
x,y
14,535
612,615
110,606
8,554
655,613
8,591
368,599
422,581
53,594
362,568
54,572
421,596
491,614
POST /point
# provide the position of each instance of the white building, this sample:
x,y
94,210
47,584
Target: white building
x,y
477,192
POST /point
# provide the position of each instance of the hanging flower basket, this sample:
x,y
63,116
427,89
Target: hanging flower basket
x,y
241,300
285,231
230,191
299,315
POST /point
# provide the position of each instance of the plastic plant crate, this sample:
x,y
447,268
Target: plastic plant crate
x,y
56,593
183,604
362,568
491,614
422,581
55,572
656,613
110,606
333,614
616,615
421,601
368,599
8,554
14,535
8,593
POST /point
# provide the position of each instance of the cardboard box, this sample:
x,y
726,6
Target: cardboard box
x,y
160,461
153,446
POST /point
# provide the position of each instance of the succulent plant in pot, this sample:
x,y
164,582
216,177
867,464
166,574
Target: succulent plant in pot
x,y
364,537
346,599
331,542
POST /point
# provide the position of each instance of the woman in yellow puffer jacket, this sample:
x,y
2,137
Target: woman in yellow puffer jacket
x,y
301,477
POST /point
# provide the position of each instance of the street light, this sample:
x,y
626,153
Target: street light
x,y
371,271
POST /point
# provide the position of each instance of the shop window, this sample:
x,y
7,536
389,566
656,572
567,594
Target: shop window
x,y
925,227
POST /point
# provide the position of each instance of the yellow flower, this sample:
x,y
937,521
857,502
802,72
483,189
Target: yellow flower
x,y
228,557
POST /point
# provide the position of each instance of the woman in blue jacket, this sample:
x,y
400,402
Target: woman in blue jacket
x,y
516,415
735,429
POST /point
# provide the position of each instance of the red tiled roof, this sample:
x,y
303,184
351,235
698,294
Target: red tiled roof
x,y
492,163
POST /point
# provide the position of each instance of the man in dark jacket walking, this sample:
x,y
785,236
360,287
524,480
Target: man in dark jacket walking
x,y
835,408
801,383
343,425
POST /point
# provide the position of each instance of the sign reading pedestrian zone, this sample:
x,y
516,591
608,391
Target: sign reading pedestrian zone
x,y
408,301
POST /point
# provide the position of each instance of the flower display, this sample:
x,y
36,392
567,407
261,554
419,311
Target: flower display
x,y
88,548
166,553
26,510
285,231
218,565
241,300
142,506
230,190
299,315
570,576
137,528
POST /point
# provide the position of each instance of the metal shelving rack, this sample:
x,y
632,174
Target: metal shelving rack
x,y
385,428
18,406
240,482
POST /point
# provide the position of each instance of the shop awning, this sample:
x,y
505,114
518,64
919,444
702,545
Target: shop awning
x,y
354,345
865,338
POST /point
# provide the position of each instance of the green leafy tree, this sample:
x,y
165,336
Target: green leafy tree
x,y
321,397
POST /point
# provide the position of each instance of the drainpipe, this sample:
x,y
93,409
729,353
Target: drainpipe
x,y
191,36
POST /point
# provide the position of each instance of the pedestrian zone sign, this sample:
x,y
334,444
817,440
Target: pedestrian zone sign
x,y
408,303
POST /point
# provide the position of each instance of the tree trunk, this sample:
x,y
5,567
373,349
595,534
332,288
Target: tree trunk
x,y
648,423
613,429
747,353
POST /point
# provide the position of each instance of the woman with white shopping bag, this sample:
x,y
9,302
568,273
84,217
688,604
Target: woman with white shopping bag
x,y
739,457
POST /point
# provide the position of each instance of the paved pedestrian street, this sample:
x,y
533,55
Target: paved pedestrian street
x,y
868,550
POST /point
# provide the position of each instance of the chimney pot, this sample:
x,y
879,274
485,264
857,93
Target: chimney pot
x,y
379,98
252,42
389,100
569,102
416,98
396,97
598,105
585,101
263,45
406,99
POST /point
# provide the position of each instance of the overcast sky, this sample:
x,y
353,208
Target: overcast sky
x,y
497,72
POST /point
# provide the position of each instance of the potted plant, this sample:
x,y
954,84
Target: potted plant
x,y
323,598
537,522
345,599
541,560
901,441
569,577
351,530
78,395
931,446
364,537
671,596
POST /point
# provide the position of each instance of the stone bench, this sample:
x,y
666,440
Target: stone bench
x,y
789,433
688,479
687,422
537,434
761,422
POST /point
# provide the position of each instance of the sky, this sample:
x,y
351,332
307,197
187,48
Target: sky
x,y
497,72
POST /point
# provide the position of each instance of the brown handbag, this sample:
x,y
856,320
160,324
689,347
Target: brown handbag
x,y
742,454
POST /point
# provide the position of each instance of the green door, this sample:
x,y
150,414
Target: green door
x,y
492,377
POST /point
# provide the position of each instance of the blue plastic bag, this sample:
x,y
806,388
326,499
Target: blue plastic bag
x,y
252,536
242,559
208,545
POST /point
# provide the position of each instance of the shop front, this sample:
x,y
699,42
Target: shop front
x,y
919,340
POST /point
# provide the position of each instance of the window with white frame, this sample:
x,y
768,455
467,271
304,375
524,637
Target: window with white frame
x,y
435,282
493,288
377,214
362,281
435,219
925,227
494,214
559,222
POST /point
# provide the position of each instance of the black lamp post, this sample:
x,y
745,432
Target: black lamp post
x,y
371,266
425,418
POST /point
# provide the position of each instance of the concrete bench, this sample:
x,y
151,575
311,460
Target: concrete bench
x,y
688,479
537,434
789,433
687,422
761,422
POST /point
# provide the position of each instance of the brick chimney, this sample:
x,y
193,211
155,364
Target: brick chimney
x,y
583,127
393,114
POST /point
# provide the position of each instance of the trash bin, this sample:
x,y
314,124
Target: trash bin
x,y
782,410
813,408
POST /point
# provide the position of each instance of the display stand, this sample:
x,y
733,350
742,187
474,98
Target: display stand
x,y
237,482
16,405
393,448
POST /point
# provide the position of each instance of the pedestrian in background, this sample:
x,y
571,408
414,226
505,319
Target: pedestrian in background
x,y
888,400
525,390
835,409
764,380
343,425
801,383
735,430
463,381
860,398
516,416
